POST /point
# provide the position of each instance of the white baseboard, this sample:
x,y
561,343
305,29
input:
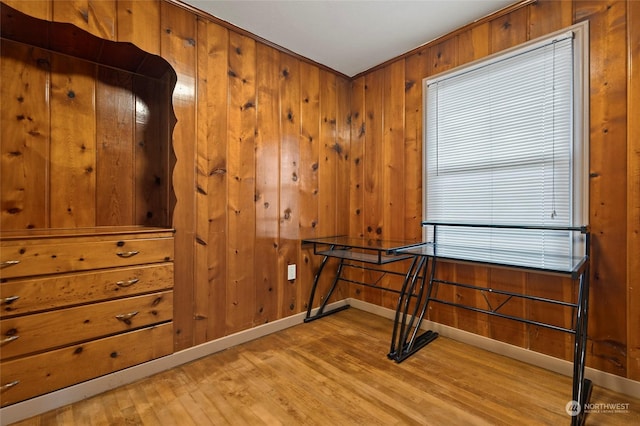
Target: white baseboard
x,y
71,394
597,377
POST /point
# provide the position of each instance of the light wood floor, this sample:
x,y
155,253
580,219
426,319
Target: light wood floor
x,y
334,371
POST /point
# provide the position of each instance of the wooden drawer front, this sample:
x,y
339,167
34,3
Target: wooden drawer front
x,y
22,260
38,332
22,296
38,374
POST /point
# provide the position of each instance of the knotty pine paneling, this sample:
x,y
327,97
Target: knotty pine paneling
x,y
72,179
115,170
203,55
211,269
138,22
24,136
178,47
373,169
40,9
415,69
608,190
613,168
267,185
98,17
356,173
343,141
308,175
241,167
152,152
85,143
290,81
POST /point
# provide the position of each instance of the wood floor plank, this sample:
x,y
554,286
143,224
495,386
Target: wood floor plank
x,y
335,371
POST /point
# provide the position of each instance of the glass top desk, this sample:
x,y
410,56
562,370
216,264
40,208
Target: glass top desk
x,y
421,283
373,252
361,249
475,250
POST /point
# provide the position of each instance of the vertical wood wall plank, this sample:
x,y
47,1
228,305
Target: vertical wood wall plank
x,y
241,183
290,81
342,153
40,9
329,158
373,167
309,162
547,16
343,141
356,187
415,72
509,30
24,136
152,149
267,184
115,110
98,17
393,151
73,143
633,194
202,290
139,23
216,124
178,47
474,43
608,218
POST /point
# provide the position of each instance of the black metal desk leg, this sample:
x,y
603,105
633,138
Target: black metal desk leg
x,y
321,313
406,346
403,299
582,387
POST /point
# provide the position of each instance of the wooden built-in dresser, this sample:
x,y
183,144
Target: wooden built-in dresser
x,y
80,303
86,238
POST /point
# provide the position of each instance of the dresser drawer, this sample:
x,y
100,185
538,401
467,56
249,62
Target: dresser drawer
x,y
20,296
30,258
48,330
35,375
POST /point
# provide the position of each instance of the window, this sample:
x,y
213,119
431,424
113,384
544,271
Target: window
x,y
506,142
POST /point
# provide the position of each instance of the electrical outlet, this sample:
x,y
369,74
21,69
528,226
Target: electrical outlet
x,y
291,272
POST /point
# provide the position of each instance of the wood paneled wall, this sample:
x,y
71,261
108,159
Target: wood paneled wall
x,y
271,149
261,145
83,143
392,94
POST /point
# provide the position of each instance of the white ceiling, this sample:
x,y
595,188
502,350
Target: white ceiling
x,y
349,36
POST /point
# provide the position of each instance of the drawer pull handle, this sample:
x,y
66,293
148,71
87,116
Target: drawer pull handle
x,y
9,300
9,385
9,263
126,318
127,253
127,283
8,339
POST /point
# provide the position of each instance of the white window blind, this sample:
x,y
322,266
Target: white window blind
x,y
502,148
